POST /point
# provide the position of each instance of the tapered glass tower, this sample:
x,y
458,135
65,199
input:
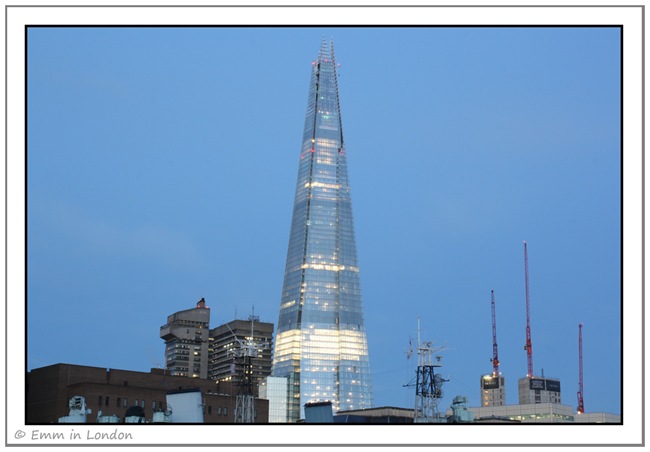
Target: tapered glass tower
x,y
321,344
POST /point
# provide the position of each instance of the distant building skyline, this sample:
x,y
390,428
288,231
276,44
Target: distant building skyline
x,y
321,344
193,349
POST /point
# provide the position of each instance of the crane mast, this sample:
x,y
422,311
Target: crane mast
x,y
581,403
529,344
495,349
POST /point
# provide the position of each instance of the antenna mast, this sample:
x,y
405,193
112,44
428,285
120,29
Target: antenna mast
x,y
428,384
529,345
581,403
246,351
495,349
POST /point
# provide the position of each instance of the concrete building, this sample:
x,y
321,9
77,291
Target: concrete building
x,y
194,350
186,336
538,413
597,418
225,339
493,390
539,390
528,413
114,391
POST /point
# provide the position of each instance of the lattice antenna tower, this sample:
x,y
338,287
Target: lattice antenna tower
x,y
428,383
244,353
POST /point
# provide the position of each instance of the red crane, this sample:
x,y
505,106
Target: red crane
x,y
581,402
495,349
529,344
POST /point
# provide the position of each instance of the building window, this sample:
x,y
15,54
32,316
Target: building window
x,y
209,410
219,410
136,402
107,400
153,405
119,402
101,400
225,411
142,403
126,402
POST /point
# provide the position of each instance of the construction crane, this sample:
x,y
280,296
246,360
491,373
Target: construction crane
x,y
529,344
581,402
495,349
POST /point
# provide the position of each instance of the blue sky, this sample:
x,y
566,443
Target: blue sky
x,y
162,165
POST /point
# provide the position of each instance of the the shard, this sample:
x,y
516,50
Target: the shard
x,y
321,344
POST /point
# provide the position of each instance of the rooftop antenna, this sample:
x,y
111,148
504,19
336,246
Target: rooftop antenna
x,y
244,352
428,384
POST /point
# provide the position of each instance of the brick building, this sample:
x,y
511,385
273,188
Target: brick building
x,y
112,391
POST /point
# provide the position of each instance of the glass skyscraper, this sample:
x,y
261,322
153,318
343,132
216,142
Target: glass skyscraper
x,y
321,345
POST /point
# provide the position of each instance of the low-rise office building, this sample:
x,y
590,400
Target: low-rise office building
x,y
114,391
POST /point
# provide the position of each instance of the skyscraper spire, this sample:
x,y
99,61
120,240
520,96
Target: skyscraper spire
x,y
323,48
321,343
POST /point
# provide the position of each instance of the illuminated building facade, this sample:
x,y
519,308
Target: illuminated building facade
x,y
225,339
493,390
321,345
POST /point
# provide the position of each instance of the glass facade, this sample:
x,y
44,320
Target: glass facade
x,y
274,389
321,344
